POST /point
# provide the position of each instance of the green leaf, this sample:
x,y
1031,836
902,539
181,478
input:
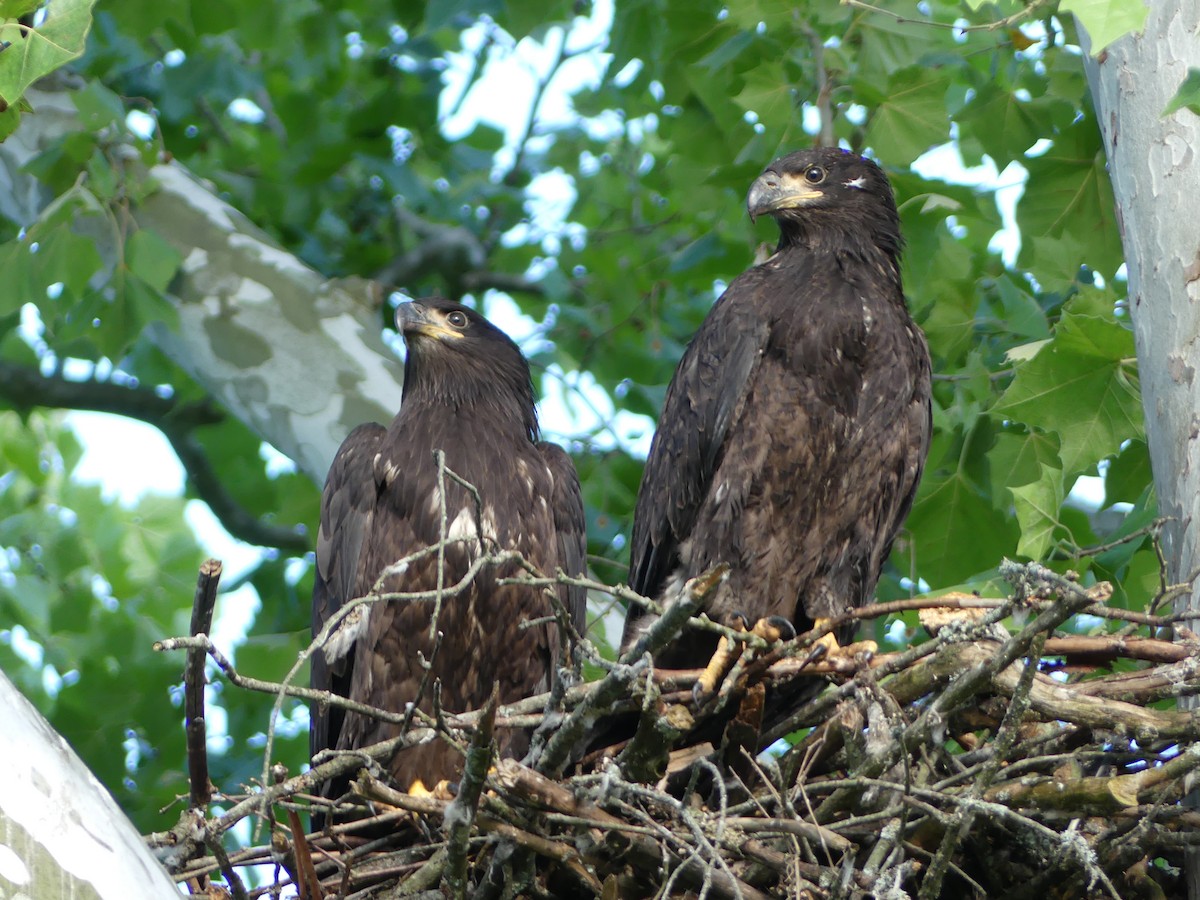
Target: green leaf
x,y
1019,458
10,118
14,9
1080,386
1023,316
152,259
1107,20
954,530
1126,478
270,656
98,106
912,117
63,256
1069,198
767,94
1004,125
533,17
1037,505
34,52
1188,95
17,266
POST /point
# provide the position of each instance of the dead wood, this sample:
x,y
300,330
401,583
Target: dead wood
x,y
993,759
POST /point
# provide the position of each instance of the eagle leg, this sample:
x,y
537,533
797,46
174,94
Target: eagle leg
x,y
727,651
770,628
440,791
832,648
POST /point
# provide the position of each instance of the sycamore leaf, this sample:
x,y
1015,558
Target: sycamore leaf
x,y
1107,20
1037,505
1127,475
14,9
768,94
152,259
1067,213
1188,95
912,117
1081,387
1018,458
1023,352
954,530
34,52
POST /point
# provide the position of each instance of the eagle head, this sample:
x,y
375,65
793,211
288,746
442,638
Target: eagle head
x,y
456,357
825,189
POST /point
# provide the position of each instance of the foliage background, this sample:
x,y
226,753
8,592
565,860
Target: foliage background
x,y
613,221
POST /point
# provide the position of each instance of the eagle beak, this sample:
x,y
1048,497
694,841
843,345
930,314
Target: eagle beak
x,y
772,192
414,319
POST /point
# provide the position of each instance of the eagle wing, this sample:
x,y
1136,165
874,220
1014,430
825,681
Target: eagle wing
x,y
566,502
347,509
701,404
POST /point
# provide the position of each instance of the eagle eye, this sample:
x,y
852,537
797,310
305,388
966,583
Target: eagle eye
x,y
457,319
814,174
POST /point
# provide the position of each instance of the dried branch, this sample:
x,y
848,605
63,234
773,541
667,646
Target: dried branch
x,y
917,763
460,814
193,685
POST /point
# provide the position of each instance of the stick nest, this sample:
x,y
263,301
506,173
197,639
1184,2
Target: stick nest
x,y
1006,755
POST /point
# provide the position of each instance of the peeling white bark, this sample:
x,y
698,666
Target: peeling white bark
x,y
295,356
1156,183
1156,180
61,833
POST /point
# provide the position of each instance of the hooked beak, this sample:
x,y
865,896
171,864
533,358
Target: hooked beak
x,y
414,319
772,192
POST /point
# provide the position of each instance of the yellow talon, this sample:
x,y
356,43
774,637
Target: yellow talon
x,y
441,790
832,648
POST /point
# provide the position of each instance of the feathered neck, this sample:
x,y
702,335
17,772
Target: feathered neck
x,y
874,238
497,391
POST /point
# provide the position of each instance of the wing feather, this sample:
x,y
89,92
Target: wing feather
x,y
702,403
347,509
566,502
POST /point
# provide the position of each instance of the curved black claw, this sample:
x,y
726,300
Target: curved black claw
x,y
785,630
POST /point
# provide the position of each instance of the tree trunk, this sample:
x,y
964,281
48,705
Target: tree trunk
x,y
61,833
1156,181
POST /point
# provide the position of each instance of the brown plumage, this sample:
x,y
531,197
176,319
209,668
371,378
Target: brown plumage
x,y
795,429
467,392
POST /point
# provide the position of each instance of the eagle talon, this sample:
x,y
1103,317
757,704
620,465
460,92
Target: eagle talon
x,y
727,650
443,790
769,628
835,650
775,628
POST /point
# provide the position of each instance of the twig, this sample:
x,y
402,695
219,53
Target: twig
x,y
203,603
824,104
1008,21
459,816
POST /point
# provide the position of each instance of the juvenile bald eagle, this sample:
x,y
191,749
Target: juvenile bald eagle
x,y
467,392
795,428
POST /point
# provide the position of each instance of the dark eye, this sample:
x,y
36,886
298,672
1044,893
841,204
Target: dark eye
x,y
457,319
814,174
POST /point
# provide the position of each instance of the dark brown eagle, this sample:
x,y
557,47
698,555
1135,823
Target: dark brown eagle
x,y
468,393
796,425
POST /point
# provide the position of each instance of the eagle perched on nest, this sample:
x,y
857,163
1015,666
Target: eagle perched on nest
x,y
468,393
795,428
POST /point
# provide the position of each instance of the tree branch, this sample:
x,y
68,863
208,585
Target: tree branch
x,y
24,387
